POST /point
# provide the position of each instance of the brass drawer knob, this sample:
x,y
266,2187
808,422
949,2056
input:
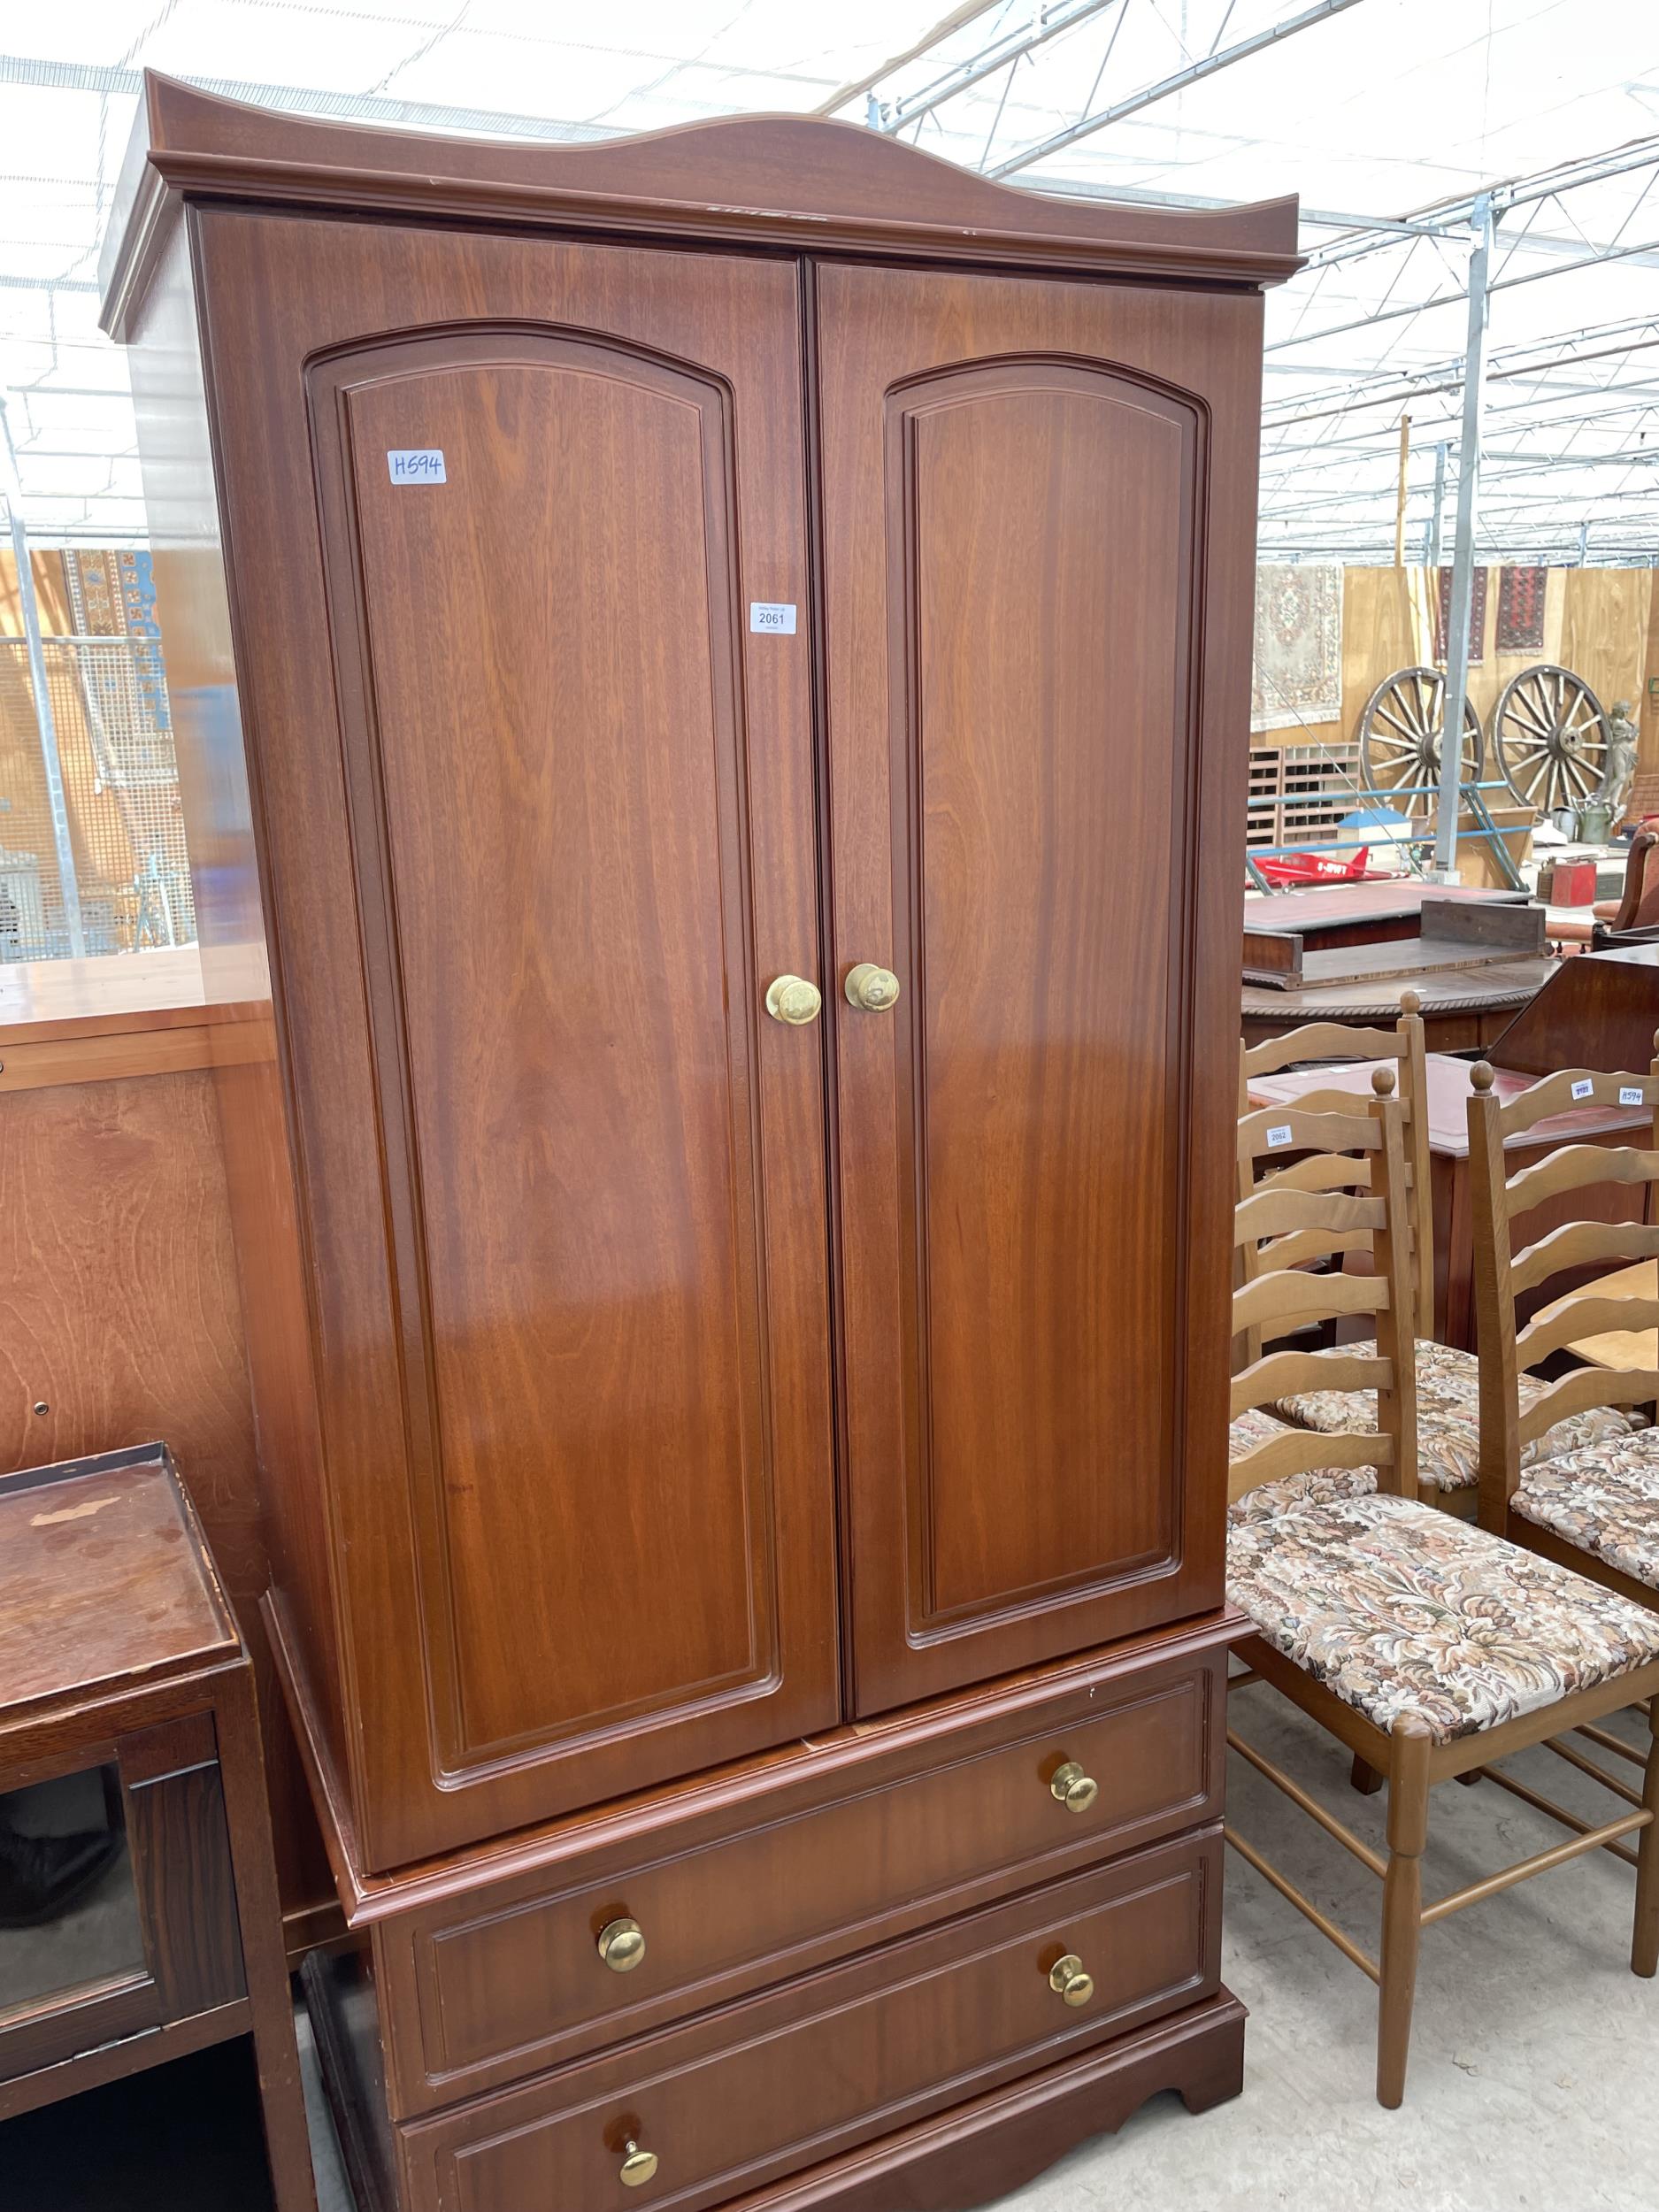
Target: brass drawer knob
x,y
638,2166
1075,1790
622,1946
1067,1977
871,988
792,999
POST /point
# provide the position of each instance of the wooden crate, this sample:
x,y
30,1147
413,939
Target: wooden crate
x,y
1299,792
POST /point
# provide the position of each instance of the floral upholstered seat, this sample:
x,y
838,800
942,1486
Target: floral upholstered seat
x,y
1399,1609
1448,1415
1316,1485
1605,1499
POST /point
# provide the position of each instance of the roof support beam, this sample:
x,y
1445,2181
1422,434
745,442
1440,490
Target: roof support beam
x,y
957,17
1003,53
1167,87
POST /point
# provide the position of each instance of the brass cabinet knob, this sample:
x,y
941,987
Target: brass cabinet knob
x,y
622,1946
871,988
638,2166
792,999
1067,1977
1075,1790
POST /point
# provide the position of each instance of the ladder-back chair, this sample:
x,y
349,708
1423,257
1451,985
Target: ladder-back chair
x,y
1594,1506
1428,1646
1316,1043
1448,1379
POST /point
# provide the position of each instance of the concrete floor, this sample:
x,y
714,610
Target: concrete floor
x,y
1532,2062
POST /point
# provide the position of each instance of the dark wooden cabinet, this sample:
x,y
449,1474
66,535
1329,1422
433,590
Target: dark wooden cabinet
x,y
606,588
138,1906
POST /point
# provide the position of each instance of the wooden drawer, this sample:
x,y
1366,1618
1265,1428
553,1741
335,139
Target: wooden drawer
x,y
501,1987
781,2081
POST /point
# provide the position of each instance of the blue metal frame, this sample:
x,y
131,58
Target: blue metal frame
x,y
1485,829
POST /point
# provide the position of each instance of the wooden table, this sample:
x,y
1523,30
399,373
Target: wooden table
x,y
1464,1009
1337,914
135,1854
1449,1087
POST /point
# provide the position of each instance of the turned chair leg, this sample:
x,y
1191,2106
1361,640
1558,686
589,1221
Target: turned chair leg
x,y
1402,1905
1644,1950
1364,1778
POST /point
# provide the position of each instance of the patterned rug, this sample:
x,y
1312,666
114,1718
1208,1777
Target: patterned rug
x,y
1521,610
1298,672
1476,619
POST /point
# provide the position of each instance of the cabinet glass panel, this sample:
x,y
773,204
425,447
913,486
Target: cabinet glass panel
x,y
68,1909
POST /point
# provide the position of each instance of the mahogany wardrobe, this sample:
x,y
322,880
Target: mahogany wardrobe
x,y
711,674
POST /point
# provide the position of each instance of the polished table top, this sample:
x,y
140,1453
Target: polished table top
x,y
1326,906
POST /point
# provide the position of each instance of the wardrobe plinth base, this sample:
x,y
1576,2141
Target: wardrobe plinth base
x,y
980,2151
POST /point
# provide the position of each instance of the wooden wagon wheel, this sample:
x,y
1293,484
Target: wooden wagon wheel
x,y
1549,737
1399,736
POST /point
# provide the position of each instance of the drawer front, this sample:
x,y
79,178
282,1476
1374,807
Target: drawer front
x,y
501,1993
776,2082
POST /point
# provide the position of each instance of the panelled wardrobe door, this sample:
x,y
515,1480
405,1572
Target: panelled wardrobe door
x,y
539,813
1038,554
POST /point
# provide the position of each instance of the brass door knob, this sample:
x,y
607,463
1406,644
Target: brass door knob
x,y
1075,1790
873,989
622,1946
638,2166
1067,1977
792,999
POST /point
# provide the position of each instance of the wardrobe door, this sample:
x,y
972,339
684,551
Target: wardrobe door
x,y
538,798
1039,523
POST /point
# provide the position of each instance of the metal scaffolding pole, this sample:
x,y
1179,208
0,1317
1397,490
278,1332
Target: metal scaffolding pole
x,y
1480,230
68,882
1432,554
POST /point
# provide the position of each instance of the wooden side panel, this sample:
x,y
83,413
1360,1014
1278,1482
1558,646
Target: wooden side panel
x,y
535,839
1047,638
120,1316
120,1321
282,1482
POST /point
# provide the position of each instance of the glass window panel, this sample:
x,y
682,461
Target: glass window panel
x,y
68,1909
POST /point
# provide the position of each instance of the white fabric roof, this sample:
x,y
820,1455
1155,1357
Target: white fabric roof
x,y
1373,110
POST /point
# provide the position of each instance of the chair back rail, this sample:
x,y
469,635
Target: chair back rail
x,y
1282,1374
1582,1391
1313,1244
1299,1451
1572,1090
1502,1272
1582,1244
1271,1129
1320,1040
1289,1298
1276,1208
1573,1167
1580,1314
